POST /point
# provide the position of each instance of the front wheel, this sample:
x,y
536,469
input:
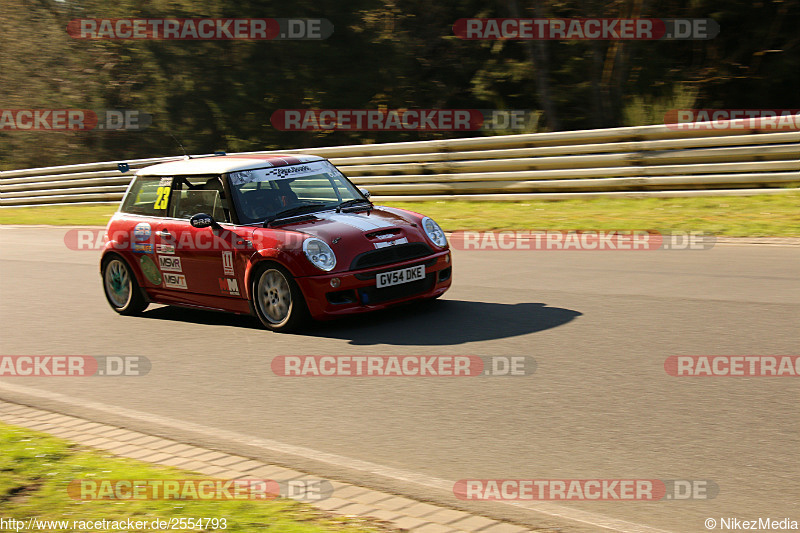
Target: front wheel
x,y
277,299
122,290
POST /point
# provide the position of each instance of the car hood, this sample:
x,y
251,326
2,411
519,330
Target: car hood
x,y
352,233
329,225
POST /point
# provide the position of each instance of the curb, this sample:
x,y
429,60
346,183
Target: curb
x,y
347,500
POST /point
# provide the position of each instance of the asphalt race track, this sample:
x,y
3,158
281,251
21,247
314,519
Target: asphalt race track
x,y
599,406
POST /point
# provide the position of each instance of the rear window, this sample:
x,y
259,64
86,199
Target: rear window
x,y
147,196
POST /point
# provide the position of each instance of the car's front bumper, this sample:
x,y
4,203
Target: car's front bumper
x,y
357,291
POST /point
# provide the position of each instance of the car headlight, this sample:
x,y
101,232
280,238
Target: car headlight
x,y
434,232
320,254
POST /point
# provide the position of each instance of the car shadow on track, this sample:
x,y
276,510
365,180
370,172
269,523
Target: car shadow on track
x,y
440,322
444,322
199,316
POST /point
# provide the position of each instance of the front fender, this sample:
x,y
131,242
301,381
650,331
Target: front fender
x,y
288,261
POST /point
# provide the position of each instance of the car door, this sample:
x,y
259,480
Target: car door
x,y
203,261
142,210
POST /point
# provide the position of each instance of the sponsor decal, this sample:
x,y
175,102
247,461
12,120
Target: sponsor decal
x,y
202,222
165,249
312,168
395,242
141,232
169,264
142,248
175,281
141,238
149,270
227,263
229,286
165,182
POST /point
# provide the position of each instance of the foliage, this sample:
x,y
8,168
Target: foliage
x,y
219,95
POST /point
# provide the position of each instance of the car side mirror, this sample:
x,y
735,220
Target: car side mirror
x,y
203,220
365,192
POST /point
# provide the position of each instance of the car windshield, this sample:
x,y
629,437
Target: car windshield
x,y
266,193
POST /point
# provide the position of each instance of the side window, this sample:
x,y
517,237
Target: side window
x,y
199,194
147,196
258,199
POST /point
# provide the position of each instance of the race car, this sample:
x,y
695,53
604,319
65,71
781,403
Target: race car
x,y
284,238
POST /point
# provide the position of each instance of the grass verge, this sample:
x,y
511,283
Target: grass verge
x,y
735,216
59,215
35,470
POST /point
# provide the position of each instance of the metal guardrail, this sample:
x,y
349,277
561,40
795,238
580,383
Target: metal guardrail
x,y
635,161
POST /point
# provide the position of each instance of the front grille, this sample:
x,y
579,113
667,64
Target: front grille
x,y
374,295
390,254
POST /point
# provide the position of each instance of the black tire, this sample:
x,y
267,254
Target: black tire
x,y
121,288
277,300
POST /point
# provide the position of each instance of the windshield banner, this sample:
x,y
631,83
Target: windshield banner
x,y
288,172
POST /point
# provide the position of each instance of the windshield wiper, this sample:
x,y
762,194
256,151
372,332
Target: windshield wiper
x,y
296,210
354,201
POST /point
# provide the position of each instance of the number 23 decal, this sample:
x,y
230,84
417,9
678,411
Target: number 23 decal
x,y
161,199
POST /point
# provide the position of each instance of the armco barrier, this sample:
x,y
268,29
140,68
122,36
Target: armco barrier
x,y
636,161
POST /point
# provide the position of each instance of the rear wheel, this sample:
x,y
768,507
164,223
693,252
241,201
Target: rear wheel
x,y
277,299
122,290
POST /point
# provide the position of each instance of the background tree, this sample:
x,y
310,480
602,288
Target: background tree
x,y
216,95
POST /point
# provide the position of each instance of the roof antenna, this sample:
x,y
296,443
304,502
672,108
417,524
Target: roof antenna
x,y
179,144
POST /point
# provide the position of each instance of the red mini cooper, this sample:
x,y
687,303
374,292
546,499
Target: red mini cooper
x,y
281,237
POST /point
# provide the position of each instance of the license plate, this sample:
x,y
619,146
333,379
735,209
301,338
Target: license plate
x,y
405,275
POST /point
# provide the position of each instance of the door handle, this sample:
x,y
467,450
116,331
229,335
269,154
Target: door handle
x,y
164,234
